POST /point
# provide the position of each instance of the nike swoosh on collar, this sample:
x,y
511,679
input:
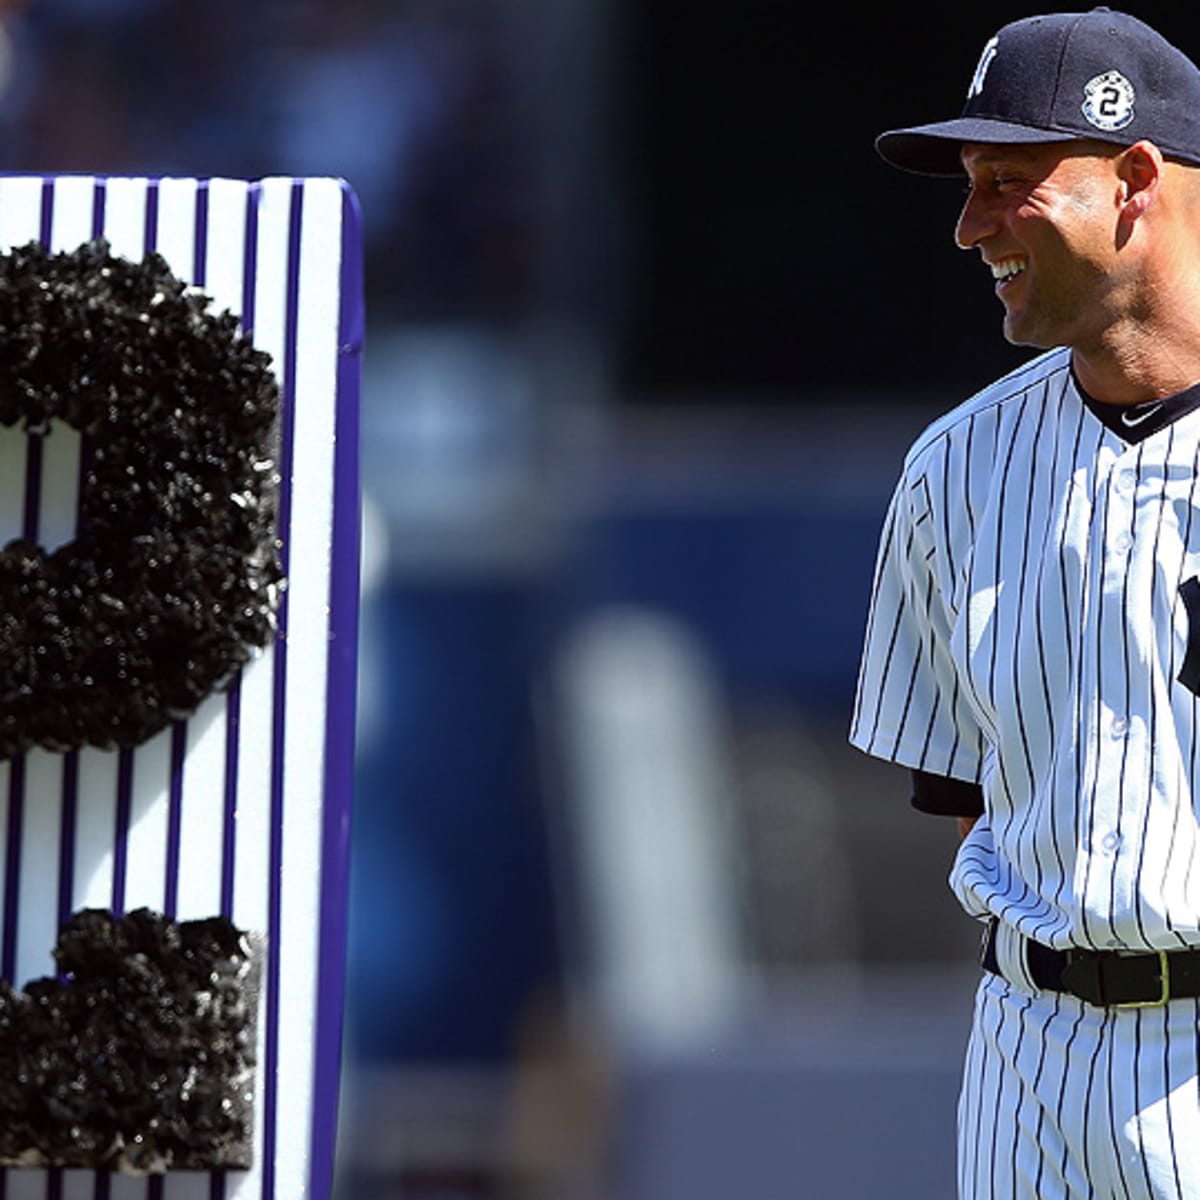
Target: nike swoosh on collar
x,y
1129,419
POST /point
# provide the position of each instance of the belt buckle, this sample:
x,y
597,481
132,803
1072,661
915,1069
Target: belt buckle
x,y
1164,977
987,946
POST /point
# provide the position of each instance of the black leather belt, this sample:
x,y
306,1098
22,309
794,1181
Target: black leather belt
x,y
1106,977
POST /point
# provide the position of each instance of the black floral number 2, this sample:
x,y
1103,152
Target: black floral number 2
x,y
174,571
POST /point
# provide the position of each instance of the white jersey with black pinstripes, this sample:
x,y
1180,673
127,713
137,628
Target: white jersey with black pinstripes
x,y
1029,630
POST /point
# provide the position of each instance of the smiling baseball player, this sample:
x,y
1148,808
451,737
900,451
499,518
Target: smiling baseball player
x,y
1033,647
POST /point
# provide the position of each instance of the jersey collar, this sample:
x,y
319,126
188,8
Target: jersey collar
x,y
1135,422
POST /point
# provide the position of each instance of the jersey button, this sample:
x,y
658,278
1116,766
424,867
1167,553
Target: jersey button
x,y
1122,541
1119,727
1126,480
1110,842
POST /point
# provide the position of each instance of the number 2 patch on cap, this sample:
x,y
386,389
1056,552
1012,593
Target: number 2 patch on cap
x,y
1108,101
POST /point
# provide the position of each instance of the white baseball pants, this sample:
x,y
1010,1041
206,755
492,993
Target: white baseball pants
x,y
1062,1100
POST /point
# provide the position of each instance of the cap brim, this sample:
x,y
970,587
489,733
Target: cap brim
x,y
936,149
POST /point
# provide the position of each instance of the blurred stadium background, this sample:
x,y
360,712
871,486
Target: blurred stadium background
x,y
649,331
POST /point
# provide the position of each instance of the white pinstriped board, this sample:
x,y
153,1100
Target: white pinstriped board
x,y
244,808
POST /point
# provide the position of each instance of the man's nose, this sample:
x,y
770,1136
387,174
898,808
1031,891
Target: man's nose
x,y
975,222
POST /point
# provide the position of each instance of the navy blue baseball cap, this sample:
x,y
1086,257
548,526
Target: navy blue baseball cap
x,y
1099,74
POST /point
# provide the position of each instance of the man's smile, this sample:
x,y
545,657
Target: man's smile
x,y
1006,270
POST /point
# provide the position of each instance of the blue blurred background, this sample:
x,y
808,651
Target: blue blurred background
x,y
649,331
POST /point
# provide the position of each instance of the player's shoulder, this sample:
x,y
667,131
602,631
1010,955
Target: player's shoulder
x,y
1016,384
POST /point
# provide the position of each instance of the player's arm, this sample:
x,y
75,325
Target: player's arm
x,y
942,796
946,797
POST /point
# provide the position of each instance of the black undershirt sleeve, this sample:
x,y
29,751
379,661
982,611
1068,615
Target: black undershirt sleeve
x,y
946,797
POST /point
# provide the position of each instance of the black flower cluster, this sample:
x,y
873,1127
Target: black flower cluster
x,y
174,572
139,1056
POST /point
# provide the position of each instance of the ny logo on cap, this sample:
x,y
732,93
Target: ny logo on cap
x,y
985,61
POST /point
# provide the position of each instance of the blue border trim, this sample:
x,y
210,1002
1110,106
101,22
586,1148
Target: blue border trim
x,y
340,696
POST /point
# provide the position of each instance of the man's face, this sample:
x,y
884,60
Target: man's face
x,y
1045,219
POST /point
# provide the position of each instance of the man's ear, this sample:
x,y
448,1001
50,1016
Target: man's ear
x,y
1140,170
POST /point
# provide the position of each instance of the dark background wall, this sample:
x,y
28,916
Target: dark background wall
x,y
772,248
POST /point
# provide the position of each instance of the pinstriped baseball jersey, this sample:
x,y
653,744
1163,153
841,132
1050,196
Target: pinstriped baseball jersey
x,y
1029,630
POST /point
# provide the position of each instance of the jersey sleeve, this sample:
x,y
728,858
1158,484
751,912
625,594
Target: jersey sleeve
x,y
910,706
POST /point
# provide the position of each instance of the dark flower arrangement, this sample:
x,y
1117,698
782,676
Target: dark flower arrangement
x,y
174,573
140,1055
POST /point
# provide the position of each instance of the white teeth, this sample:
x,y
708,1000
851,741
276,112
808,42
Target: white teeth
x,y
1007,269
